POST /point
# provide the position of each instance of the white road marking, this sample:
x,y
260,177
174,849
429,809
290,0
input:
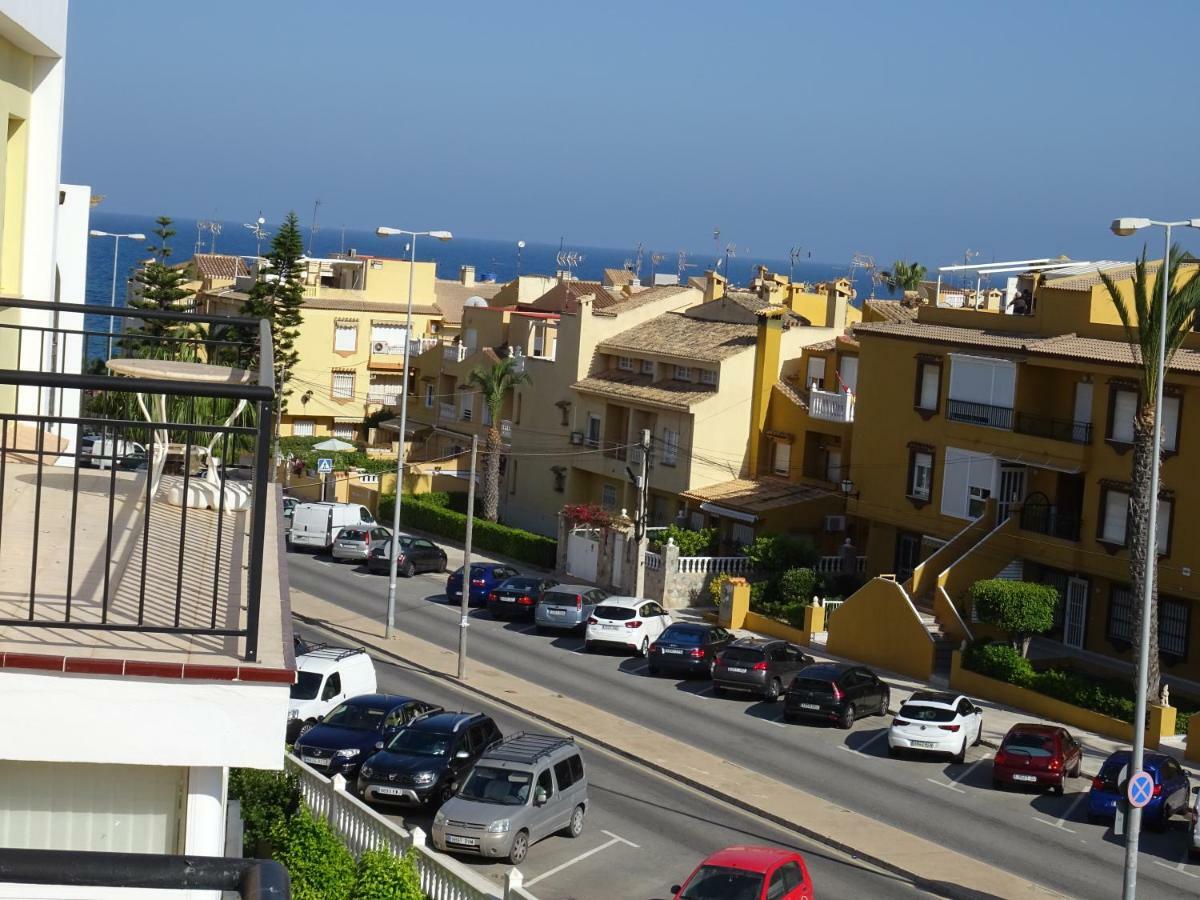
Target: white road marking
x,y
613,839
639,669
949,785
528,629
863,746
1058,823
321,562
953,783
1178,867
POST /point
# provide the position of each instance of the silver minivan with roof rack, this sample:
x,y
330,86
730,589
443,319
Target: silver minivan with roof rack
x,y
528,787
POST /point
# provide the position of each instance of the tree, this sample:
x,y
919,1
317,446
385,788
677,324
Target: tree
x,y
1142,331
494,385
904,276
160,287
278,295
1020,609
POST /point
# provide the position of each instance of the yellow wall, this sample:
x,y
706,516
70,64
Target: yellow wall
x,y
879,626
16,88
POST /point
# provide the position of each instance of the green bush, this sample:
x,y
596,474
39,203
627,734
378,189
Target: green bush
x,y
266,798
318,862
775,553
1021,609
689,542
797,586
716,587
1000,661
382,876
302,448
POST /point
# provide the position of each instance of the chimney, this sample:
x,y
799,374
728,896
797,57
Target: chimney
x,y
766,373
714,286
466,274
835,307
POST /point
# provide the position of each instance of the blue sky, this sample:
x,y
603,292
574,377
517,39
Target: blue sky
x,y
911,130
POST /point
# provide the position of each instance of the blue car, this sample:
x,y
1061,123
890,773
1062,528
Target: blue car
x,y
485,577
1172,789
349,734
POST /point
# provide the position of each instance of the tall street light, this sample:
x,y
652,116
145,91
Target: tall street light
x,y
1133,823
137,236
385,231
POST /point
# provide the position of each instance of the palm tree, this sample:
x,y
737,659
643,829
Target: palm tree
x,y
904,276
1142,325
494,385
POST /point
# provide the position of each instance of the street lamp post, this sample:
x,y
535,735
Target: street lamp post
x,y
1133,823
385,231
137,236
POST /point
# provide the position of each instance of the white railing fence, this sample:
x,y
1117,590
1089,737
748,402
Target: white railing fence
x,y
831,406
711,565
653,560
455,352
361,828
828,564
831,606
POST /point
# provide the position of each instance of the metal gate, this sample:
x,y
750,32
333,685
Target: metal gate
x,y
583,552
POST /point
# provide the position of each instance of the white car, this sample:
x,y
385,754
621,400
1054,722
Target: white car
x,y
629,622
932,722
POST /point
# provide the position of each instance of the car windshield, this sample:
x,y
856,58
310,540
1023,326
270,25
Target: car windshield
x,y
476,572
555,598
689,637
306,685
617,613
358,716
419,743
926,713
352,534
1029,744
742,654
721,883
813,685
491,785
520,584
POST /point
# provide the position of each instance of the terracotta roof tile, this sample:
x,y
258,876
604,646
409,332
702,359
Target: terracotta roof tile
x,y
449,296
565,296
791,392
685,294
757,496
617,277
678,335
220,265
367,306
890,310
622,385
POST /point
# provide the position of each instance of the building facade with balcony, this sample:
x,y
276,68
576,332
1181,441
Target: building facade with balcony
x,y
1030,415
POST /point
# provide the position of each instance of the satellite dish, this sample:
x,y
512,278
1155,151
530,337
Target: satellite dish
x,y
475,301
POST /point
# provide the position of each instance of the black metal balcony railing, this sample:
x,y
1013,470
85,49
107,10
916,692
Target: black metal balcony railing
x,y
83,544
1050,521
1056,429
979,414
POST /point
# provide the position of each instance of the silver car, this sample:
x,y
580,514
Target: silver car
x,y
567,606
355,543
526,788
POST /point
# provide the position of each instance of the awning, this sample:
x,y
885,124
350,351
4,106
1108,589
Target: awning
x,y
726,513
1053,465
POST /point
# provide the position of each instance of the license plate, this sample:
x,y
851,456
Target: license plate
x,y
508,599
810,706
737,669
556,612
392,791
609,627
674,652
924,745
314,761
462,841
1020,777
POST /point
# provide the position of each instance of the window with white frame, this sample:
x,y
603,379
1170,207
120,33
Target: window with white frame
x,y
304,428
429,396
391,335
343,385
625,363
593,430
647,367
968,479
1162,533
539,339
343,430
1170,423
1115,516
929,383
708,376
920,482
1122,408
782,462
815,372
345,337
608,496
683,373
670,452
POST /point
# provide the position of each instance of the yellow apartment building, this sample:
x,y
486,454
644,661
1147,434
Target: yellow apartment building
x,y
1014,433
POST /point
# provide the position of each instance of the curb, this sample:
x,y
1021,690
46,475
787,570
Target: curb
x,y
937,888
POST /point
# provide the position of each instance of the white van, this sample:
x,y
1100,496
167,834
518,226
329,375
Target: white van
x,y
315,525
98,451
325,676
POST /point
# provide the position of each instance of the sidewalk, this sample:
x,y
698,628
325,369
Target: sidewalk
x,y
931,866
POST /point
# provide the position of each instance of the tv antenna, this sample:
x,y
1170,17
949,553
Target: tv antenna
x,y
568,260
655,259
314,228
862,262
256,229
684,265
793,255
730,251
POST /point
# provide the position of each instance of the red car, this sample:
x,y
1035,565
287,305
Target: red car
x,y
1037,756
748,873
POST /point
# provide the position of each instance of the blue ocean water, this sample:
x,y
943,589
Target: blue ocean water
x,y
491,258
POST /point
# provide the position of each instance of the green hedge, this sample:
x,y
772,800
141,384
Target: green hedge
x,y
525,546
266,798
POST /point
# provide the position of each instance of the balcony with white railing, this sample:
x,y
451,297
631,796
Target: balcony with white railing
x,y
456,352
390,354
831,406
446,411
388,396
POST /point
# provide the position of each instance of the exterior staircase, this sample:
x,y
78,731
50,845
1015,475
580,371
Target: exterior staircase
x,y
943,644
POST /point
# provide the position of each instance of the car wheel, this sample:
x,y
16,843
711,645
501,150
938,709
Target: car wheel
x,y
884,701
773,690
409,570
644,650
979,740
308,726
1077,772
520,846
961,756
444,795
1061,787
846,719
575,828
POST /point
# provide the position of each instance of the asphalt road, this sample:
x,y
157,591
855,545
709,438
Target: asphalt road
x,y
643,832
1041,837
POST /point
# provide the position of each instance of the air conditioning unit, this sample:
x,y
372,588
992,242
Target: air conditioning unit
x,y
380,347
835,523
576,438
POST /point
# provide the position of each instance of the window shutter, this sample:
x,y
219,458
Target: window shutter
x,y
1124,409
1162,531
975,379
1116,511
783,458
955,472
391,334
1170,423
344,338
816,371
849,373
930,376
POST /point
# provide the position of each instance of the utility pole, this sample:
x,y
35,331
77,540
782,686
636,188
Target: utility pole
x,y
466,578
639,523
279,419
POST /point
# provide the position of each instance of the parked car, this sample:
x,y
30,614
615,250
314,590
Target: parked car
x,y
936,722
349,734
484,579
1172,789
628,622
517,597
762,666
355,543
566,607
1037,756
688,648
836,692
316,525
748,873
416,555
289,507
528,787
100,451
425,761
1194,825
326,676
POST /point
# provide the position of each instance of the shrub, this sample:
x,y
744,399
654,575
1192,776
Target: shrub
x,y
318,862
266,798
382,876
779,552
797,586
1019,608
689,542
1000,661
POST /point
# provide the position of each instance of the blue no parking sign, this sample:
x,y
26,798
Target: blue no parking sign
x,y
1140,789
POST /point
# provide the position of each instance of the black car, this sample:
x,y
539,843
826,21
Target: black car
x,y
688,648
760,665
416,555
516,597
836,692
348,734
425,761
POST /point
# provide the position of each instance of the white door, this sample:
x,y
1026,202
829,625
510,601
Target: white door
x,y
1075,618
1012,490
582,555
1083,412
833,468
